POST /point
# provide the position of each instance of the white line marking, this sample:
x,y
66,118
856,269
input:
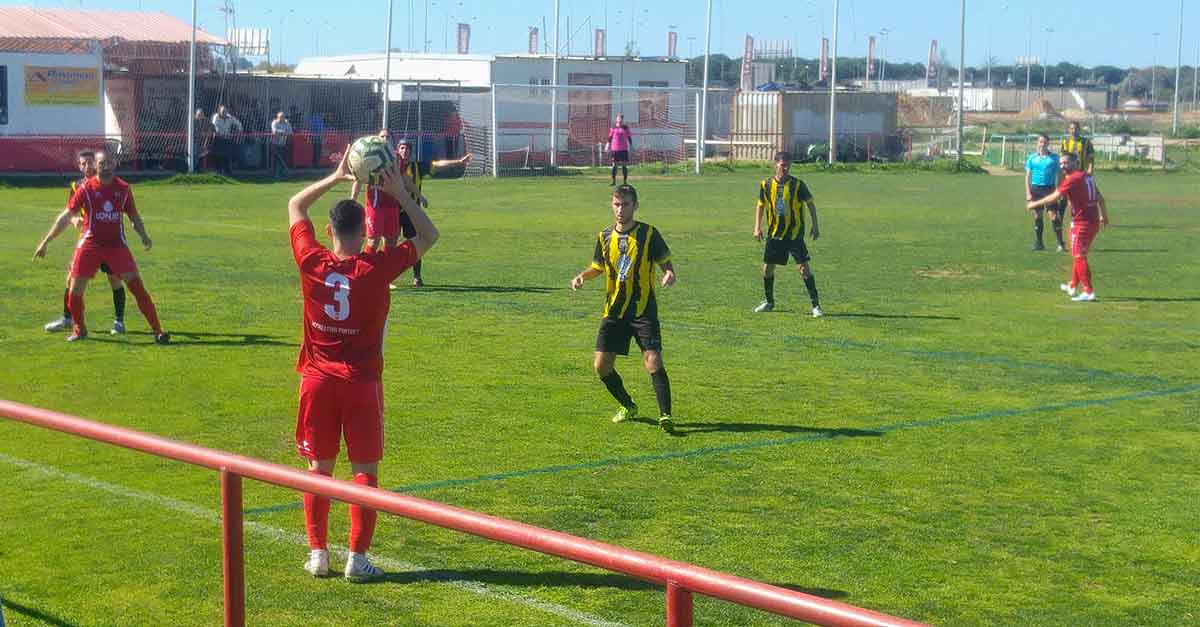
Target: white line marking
x,y
290,537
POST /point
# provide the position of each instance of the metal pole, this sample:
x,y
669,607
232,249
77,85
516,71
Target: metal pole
x,y
387,68
1178,68
702,147
833,89
231,541
420,125
191,111
1195,77
495,138
425,44
699,134
679,606
554,94
1154,76
962,65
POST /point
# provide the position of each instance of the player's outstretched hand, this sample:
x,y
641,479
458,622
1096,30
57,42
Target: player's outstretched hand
x,y
668,278
577,282
342,172
40,252
1031,205
466,158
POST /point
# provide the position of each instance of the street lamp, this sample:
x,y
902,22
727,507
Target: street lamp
x,y
1046,60
883,32
1154,72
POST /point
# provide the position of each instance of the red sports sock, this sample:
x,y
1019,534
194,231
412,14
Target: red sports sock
x,y
362,520
316,517
75,304
1085,274
145,305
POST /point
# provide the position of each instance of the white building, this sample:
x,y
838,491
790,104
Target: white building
x,y
650,92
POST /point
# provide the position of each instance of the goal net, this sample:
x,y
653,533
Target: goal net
x,y
530,140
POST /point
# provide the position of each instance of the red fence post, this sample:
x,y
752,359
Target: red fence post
x,y
679,606
233,566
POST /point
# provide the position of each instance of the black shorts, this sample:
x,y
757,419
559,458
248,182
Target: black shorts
x,y
777,251
104,268
406,226
614,335
620,156
1040,191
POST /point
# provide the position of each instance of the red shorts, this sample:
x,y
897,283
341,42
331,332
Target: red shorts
x,y
332,409
88,258
1082,234
383,222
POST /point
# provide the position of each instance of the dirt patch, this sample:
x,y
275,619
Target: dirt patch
x,y
948,273
921,111
996,170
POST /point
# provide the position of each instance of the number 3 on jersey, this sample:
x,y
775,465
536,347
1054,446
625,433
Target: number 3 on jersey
x,y
340,309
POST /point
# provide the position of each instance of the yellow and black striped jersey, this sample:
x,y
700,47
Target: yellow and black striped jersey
x,y
784,204
627,261
1080,147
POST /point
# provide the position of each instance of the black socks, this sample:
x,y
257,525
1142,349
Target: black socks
x,y
616,387
662,391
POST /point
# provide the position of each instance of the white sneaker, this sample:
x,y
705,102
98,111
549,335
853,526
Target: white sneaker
x,y
817,313
62,324
359,569
764,307
393,286
318,563
1067,288
1085,297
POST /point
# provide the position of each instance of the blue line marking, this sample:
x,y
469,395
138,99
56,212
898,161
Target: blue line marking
x,y
745,446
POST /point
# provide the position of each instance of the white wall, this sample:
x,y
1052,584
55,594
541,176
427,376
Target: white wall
x,y
470,70
49,119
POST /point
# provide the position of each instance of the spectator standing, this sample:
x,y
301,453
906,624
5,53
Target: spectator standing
x,y
226,129
281,137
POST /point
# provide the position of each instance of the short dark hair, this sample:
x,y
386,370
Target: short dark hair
x,y
1044,136
347,217
1072,159
626,193
86,153
783,156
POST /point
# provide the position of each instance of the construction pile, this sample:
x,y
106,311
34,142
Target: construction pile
x,y
1040,110
917,111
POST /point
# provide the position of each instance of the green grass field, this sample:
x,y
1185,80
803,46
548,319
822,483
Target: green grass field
x,y
954,442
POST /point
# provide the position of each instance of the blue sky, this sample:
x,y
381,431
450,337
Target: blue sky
x,y
1103,31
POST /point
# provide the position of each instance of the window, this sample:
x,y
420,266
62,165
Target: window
x,y
3,94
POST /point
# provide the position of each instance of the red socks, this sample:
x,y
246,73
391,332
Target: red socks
x,y
362,520
144,303
316,517
1082,275
75,304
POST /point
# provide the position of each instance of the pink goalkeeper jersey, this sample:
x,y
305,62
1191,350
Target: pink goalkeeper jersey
x,y
618,137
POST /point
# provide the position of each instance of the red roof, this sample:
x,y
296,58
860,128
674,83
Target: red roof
x,y
135,26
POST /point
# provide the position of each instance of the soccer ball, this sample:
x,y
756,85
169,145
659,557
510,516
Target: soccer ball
x,y
369,157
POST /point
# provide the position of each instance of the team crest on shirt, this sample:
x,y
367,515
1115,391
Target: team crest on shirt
x,y
107,205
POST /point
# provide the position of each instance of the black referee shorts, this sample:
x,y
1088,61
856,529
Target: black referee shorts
x,y
777,251
614,334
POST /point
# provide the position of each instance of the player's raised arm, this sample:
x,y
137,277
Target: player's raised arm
x,y
401,188
355,188
446,163
300,203
60,224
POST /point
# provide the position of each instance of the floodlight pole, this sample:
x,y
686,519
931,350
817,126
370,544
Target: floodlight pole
x,y
833,90
554,94
1178,68
191,110
701,146
387,68
962,64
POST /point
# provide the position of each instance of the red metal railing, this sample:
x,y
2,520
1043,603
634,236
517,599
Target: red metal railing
x,y
680,579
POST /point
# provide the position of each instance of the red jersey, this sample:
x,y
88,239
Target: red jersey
x,y
346,303
1080,189
103,207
